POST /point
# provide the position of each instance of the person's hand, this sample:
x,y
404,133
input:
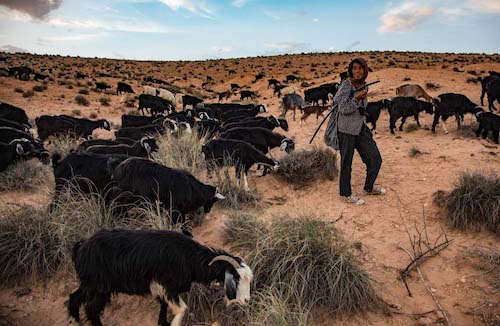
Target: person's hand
x,y
361,95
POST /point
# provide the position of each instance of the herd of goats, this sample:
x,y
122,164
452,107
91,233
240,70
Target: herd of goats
x,y
126,261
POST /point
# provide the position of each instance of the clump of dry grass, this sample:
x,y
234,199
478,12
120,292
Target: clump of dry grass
x,y
181,152
63,143
236,196
25,175
29,245
306,260
415,151
306,166
82,100
473,203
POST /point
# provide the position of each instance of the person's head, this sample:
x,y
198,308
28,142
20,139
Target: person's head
x,y
358,69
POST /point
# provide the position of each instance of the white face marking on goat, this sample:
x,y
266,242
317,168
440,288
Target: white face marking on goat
x,y
157,290
246,276
283,145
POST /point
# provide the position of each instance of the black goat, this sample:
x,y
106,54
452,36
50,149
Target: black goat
x,y
259,76
320,93
269,122
176,190
404,107
15,125
101,86
247,94
13,150
40,77
485,82
85,172
488,121
54,126
373,110
13,113
494,73
154,104
449,104
235,87
242,155
136,120
190,100
142,148
139,132
260,138
80,75
8,134
291,78
230,114
124,88
272,83
493,92
161,263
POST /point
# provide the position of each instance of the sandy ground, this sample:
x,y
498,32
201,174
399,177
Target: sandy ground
x,y
379,225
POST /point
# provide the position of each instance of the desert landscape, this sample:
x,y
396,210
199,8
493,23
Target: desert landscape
x,y
457,281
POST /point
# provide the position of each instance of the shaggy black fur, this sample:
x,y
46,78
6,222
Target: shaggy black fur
x,y
404,107
128,261
13,113
449,104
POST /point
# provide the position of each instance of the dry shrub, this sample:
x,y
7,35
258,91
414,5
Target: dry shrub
x,y
28,93
29,245
82,100
474,202
306,166
415,151
468,130
104,101
63,143
25,175
18,90
412,127
181,152
236,196
303,261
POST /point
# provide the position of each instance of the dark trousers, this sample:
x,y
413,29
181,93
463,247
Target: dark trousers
x,y
367,149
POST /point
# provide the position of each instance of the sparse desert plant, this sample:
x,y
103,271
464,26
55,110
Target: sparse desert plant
x,y
236,196
406,79
83,91
63,143
104,101
431,86
181,152
39,88
309,259
18,90
82,100
28,93
93,115
412,127
473,203
415,151
76,112
391,63
25,175
305,166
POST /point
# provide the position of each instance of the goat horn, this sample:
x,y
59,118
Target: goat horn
x,y
227,259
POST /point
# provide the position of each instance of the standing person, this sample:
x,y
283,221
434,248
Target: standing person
x,y
347,131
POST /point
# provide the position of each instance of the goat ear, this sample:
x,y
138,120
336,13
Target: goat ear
x,y
230,286
147,147
283,146
19,149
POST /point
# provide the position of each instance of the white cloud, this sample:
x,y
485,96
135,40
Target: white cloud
x,y
239,3
11,49
286,47
223,49
408,14
404,17
315,20
74,37
197,6
271,15
131,25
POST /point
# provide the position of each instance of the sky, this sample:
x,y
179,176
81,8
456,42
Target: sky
x,y
210,29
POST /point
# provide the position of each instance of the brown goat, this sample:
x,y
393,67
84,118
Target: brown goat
x,y
308,110
412,90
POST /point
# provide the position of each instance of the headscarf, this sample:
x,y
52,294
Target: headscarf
x,y
363,63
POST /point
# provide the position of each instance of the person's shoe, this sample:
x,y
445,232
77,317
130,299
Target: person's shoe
x,y
375,191
353,199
